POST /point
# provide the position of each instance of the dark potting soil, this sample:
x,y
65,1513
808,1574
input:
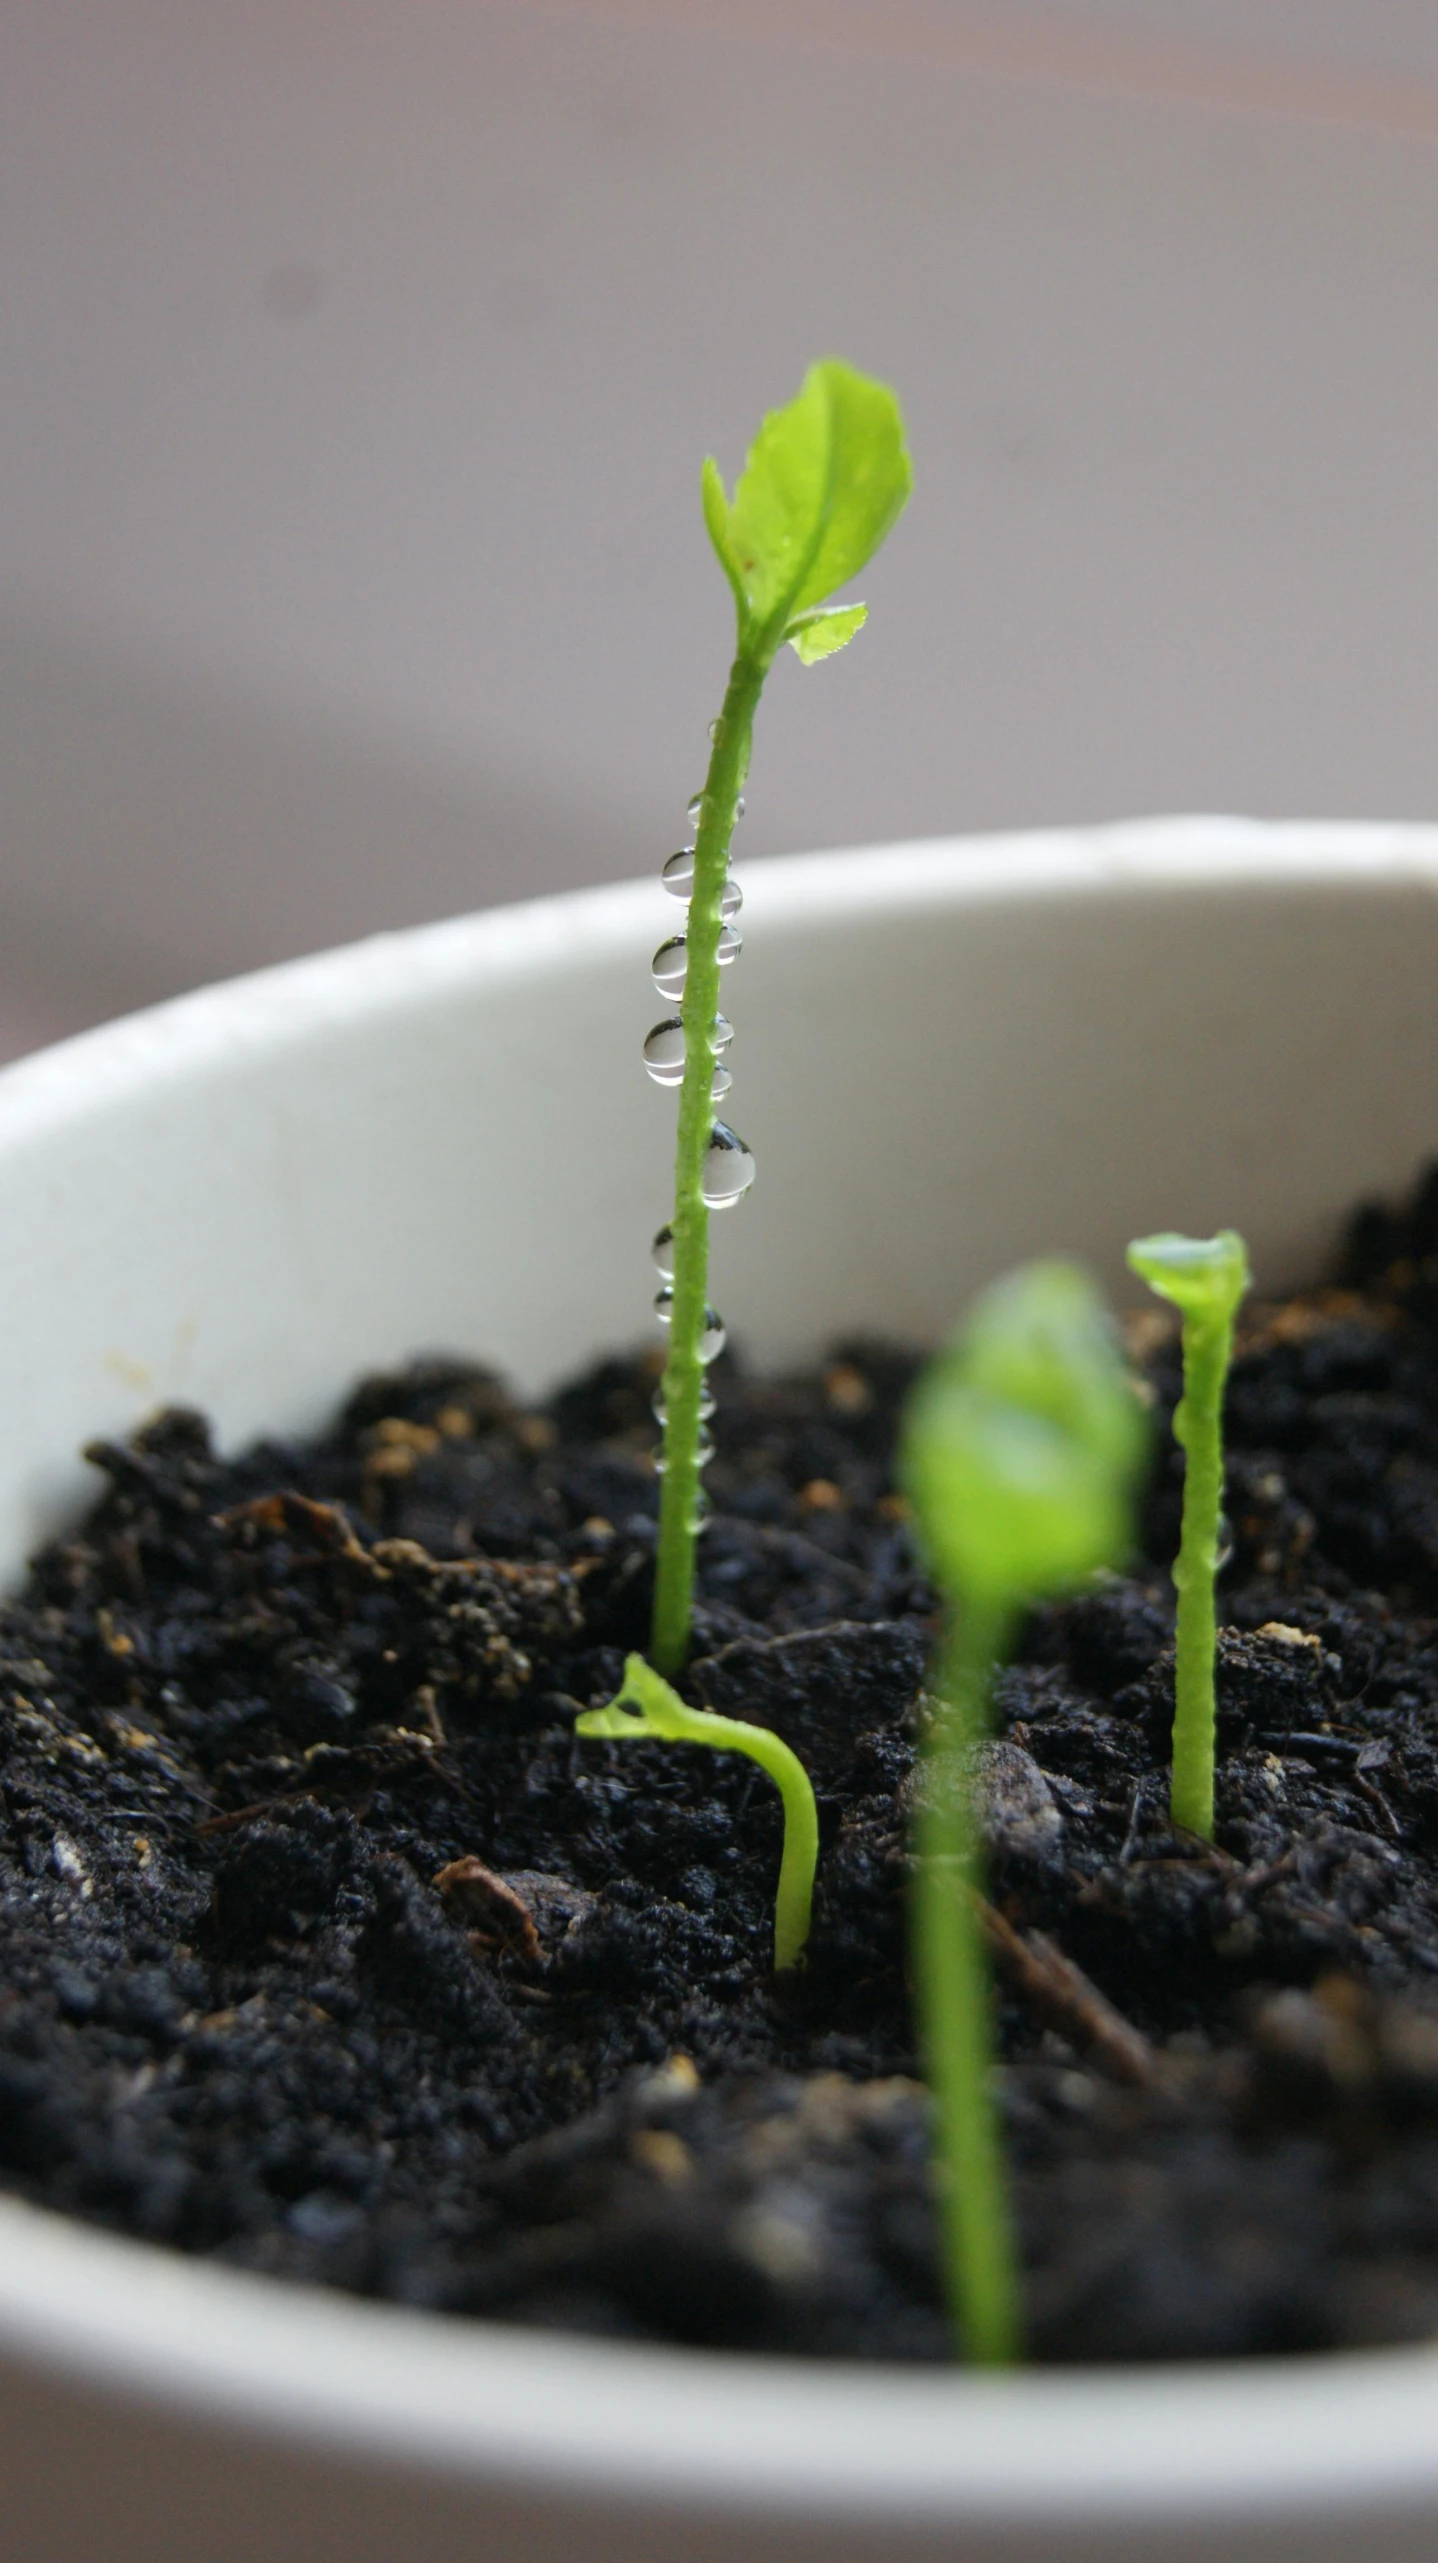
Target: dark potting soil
x,y
327,1949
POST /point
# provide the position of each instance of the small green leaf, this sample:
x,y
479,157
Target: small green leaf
x,y
824,481
819,634
1206,1277
716,518
613,1722
644,1704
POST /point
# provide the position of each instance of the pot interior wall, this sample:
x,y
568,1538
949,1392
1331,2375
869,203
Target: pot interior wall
x,y
946,1058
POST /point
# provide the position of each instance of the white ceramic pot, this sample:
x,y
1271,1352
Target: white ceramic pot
x,y
948,1056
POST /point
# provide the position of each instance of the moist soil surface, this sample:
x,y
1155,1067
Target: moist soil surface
x,y
327,1949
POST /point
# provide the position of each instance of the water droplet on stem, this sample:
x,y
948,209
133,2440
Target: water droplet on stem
x,y
711,1339
703,1453
661,1408
670,964
728,1168
664,1051
678,878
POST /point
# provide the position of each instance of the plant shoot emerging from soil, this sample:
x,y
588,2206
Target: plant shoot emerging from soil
x,y
1205,1278
647,1706
1021,1445
824,481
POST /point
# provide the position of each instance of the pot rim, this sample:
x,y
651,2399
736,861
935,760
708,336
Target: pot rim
x,y
740,2434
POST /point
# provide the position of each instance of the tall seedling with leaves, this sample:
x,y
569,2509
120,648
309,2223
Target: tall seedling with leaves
x,y
825,479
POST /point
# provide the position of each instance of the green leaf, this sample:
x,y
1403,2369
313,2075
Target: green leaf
x,y
819,634
716,517
1206,1277
614,1722
645,1704
825,479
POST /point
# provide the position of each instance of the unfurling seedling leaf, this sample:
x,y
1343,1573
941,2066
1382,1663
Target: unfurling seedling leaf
x,y
817,636
1021,1446
645,1705
824,481
1205,1278
1022,1440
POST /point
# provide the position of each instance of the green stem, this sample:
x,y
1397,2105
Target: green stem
x,y
1198,1427
794,1896
684,1371
955,2000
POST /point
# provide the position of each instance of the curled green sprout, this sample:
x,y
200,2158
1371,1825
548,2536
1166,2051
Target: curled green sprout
x,y
646,1706
824,481
1021,1445
1205,1278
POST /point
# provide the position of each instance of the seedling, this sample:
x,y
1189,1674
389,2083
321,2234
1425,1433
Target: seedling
x,y
645,1705
824,481
1020,1450
1205,1277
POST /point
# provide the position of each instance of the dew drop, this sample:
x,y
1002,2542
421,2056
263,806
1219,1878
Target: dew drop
x,y
662,1252
664,1051
703,1453
678,878
728,1168
694,807
661,1409
670,964
711,1340
701,1511
664,1054
715,730
730,946
721,1036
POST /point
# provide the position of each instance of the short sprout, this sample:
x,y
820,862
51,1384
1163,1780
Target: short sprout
x,y
1022,1443
647,1706
1205,1278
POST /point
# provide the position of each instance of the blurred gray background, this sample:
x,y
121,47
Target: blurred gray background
x,y
359,356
